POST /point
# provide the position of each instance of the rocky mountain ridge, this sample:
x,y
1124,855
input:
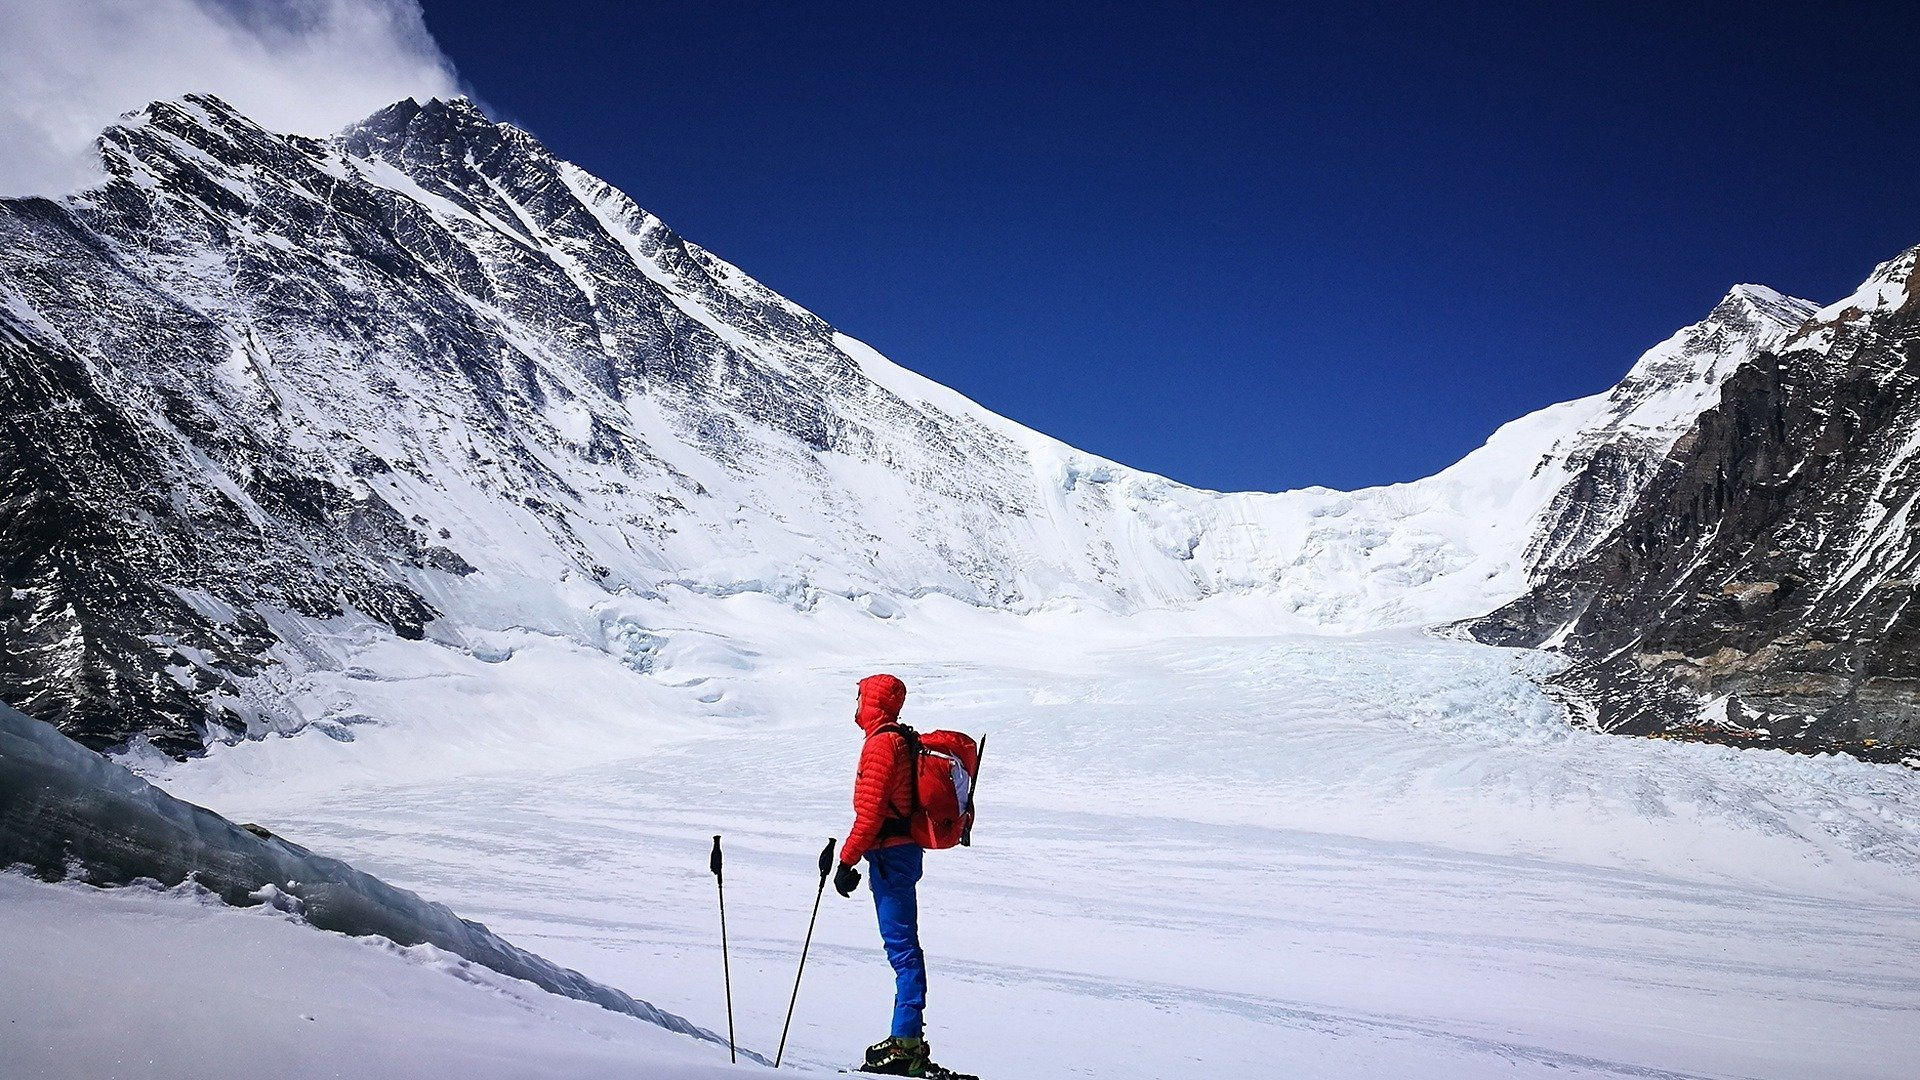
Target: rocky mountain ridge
x,y
1761,588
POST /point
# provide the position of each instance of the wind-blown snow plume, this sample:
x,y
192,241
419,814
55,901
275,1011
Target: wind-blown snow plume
x,y
305,66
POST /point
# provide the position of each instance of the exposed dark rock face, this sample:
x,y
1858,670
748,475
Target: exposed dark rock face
x,y
1761,591
144,486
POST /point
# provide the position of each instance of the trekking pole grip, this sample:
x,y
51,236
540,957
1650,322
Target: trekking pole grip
x,y
826,861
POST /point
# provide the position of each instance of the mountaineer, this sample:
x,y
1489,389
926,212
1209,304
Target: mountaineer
x,y
912,792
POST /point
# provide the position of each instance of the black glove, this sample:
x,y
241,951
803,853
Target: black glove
x,y
845,880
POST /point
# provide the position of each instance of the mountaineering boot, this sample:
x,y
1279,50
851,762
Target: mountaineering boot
x,y
897,1057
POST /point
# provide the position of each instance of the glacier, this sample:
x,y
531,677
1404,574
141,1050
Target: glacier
x,y
1204,849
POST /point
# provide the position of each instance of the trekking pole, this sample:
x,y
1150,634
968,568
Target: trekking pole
x,y
826,865
720,883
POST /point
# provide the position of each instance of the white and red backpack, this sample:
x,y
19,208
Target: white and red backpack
x,y
946,766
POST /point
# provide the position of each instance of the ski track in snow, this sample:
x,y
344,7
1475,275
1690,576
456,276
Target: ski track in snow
x,y
1383,855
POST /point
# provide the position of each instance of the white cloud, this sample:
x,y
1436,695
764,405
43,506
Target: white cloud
x,y
69,68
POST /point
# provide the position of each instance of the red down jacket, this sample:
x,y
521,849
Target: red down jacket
x,y
881,788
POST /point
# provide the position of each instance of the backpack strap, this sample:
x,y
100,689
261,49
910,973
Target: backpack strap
x,y
979,753
903,826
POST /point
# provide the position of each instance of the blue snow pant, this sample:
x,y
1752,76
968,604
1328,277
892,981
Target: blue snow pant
x,y
892,872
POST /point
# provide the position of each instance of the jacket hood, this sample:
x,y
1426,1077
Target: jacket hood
x,y
881,697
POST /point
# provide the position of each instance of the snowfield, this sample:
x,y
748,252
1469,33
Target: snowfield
x,y
1206,849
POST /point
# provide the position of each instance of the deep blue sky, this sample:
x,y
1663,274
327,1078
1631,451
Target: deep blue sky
x,y
1239,245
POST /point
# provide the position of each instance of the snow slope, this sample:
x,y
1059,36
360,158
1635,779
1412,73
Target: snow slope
x,y
147,984
67,812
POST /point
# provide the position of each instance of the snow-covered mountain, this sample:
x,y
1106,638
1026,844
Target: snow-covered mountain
x,y
1627,432
426,380
1761,589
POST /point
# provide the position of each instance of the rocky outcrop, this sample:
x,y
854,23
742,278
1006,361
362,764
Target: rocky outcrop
x,y
1761,591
